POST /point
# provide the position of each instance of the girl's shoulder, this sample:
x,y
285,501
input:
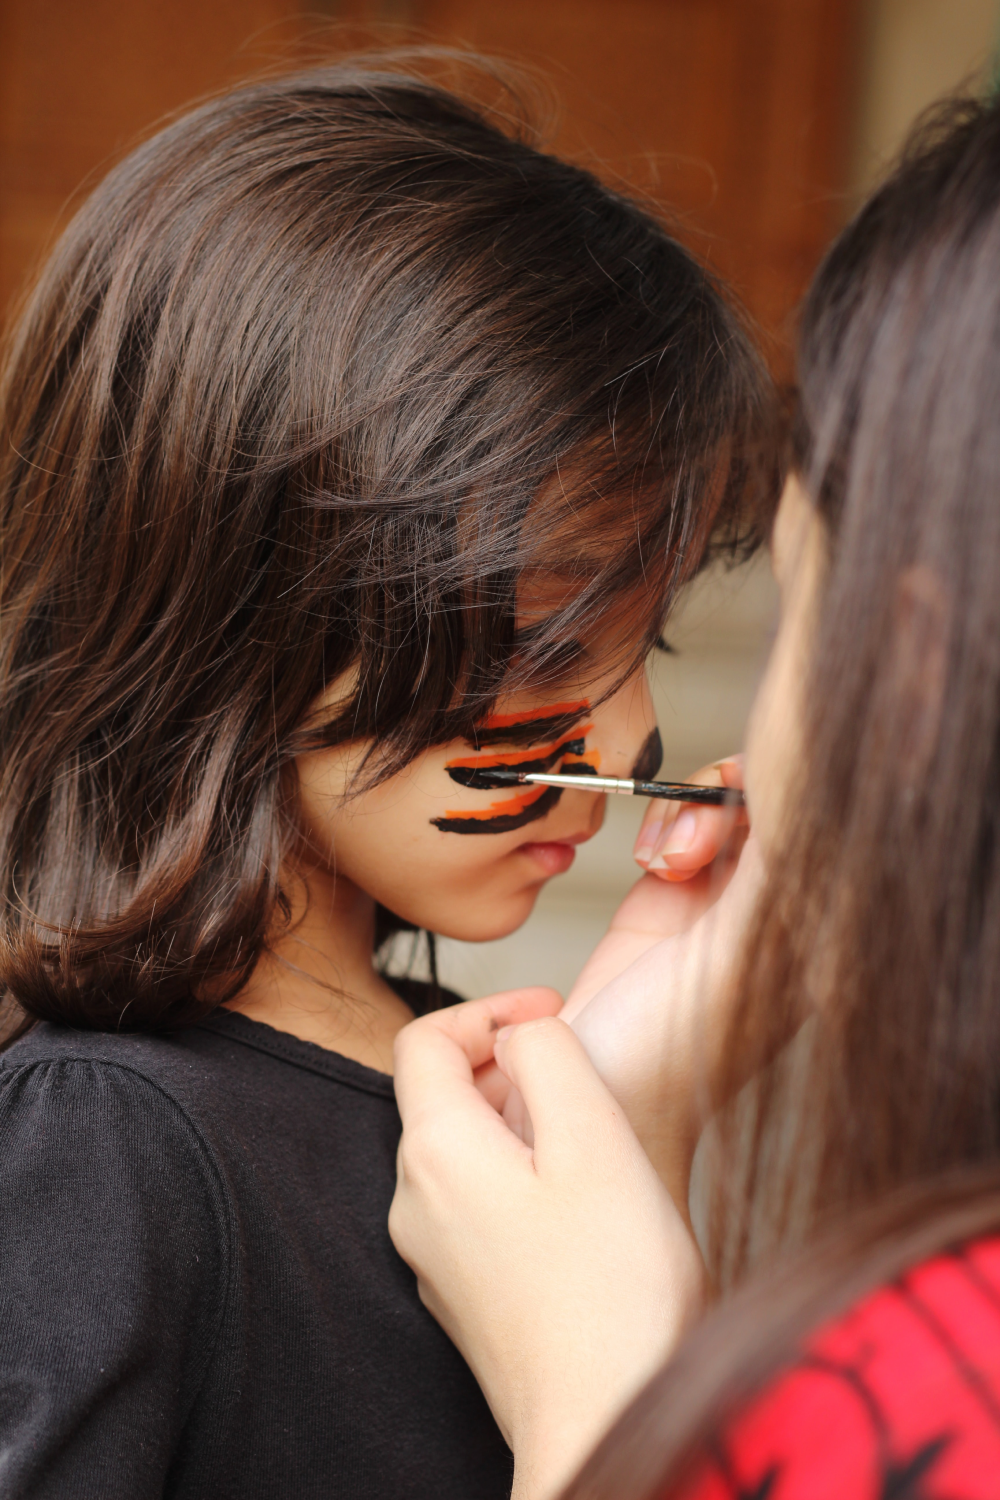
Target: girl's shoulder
x,y
116,1264
898,1396
78,1077
93,1114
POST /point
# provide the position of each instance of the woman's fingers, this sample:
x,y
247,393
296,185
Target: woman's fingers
x,y
444,1049
565,1099
677,842
514,1248
654,1030
493,1086
657,818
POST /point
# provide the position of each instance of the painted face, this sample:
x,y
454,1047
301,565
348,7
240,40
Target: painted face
x,y
437,849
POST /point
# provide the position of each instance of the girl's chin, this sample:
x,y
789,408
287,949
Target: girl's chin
x,y
551,858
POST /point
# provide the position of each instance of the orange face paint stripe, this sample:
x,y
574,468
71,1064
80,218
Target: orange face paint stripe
x,y
502,822
551,734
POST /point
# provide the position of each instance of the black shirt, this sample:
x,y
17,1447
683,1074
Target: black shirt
x,y
198,1294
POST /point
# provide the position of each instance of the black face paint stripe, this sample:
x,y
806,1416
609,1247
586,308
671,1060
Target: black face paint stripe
x,y
650,758
489,781
502,822
480,776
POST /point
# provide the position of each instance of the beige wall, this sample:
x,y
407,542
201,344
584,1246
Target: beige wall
x,y
915,51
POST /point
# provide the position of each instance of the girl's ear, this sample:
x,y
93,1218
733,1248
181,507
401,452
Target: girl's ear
x,y
919,666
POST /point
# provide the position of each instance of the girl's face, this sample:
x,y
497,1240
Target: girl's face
x,y
468,863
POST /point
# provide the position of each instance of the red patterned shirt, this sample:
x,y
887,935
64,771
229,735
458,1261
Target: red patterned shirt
x,y
897,1399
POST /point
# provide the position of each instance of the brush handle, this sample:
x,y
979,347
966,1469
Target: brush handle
x,y
686,791
668,791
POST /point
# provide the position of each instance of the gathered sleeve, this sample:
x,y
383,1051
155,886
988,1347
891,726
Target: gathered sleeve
x,y
113,1279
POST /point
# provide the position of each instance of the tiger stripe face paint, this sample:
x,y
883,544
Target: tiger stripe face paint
x,y
514,812
555,741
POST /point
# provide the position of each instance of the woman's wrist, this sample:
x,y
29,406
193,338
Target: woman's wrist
x,y
556,1431
554,1448
542,1471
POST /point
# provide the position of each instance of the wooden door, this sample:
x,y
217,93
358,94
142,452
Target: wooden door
x,y
732,114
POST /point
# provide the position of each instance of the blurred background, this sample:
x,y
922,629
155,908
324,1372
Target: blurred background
x,y
757,124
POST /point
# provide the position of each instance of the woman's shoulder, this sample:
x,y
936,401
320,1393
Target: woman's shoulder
x,y
899,1395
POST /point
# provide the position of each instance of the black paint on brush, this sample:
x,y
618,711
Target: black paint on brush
x,y
502,822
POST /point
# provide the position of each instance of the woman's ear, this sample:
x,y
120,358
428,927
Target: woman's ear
x,y
919,667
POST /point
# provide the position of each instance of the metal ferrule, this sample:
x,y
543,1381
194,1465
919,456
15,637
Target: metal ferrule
x,y
585,783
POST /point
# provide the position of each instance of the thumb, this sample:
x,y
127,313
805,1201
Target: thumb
x,y
569,1106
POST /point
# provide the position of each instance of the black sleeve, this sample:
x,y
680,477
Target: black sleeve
x,y
112,1280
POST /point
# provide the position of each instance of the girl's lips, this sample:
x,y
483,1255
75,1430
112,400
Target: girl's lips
x,y
555,856
555,859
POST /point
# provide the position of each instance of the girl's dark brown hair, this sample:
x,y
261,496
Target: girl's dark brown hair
x,y
313,379
875,1139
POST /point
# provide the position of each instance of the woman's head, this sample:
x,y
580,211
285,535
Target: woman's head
x,y
338,417
882,922
874,760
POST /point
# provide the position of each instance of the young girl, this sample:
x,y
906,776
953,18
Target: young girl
x,y
855,1211
351,445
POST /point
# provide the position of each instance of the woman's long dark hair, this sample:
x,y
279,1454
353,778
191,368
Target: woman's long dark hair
x,y
876,1139
314,377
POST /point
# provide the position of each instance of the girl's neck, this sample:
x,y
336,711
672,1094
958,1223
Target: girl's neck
x,y
318,982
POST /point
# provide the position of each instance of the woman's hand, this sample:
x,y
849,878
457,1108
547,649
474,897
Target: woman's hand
x,y
562,1271
651,1002
678,839
690,853
654,1031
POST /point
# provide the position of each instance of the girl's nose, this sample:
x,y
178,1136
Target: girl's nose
x,y
625,733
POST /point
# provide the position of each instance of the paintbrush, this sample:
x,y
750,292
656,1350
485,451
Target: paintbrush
x,y
669,791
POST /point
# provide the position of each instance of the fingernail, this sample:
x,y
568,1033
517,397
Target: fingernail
x,y
646,841
502,1035
680,837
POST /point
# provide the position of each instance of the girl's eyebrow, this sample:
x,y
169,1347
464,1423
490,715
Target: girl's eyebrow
x,y
560,658
526,635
